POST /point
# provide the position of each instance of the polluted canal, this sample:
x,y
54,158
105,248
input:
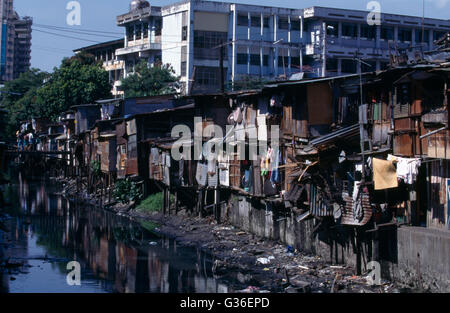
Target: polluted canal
x,y
41,232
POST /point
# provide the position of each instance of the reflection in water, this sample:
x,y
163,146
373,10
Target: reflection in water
x,y
116,254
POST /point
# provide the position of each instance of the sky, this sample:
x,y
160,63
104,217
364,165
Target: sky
x,y
48,50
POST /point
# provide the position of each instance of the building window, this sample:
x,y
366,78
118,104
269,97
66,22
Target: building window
x,y
295,62
368,32
419,36
348,66
184,33
183,68
242,20
145,30
265,60
256,21
241,58
283,23
266,22
207,76
387,33
332,29
130,33
206,39
438,35
206,42
138,32
295,24
255,59
349,30
366,68
158,27
332,65
404,35
280,61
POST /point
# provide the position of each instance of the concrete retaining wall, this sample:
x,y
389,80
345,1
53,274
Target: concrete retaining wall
x,y
423,259
416,256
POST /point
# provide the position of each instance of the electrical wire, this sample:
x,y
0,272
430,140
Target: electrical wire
x,y
75,32
66,36
81,30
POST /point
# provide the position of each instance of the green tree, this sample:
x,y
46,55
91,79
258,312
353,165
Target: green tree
x,y
249,82
79,79
18,98
150,81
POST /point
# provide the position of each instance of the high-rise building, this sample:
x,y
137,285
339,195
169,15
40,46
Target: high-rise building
x,y
22,45
15,47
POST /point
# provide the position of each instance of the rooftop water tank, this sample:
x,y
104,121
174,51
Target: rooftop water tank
x,y
138,4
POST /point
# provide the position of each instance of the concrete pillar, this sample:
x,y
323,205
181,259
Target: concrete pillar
x,y
248,60
301,59
359,35
289,61
430,39
275,57
289,28
275,28
396,35
339,67
262,26
275,38
234,47
249,25
301,29
378,37
189,49
261,61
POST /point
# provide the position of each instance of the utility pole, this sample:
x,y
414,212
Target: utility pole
x,y
222,78
222,70
361,123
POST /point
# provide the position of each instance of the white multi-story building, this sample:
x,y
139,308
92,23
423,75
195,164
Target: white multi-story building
x,y
142,35
265,42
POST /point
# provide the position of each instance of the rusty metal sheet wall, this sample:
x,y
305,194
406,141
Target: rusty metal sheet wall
x,y
320,100
403,145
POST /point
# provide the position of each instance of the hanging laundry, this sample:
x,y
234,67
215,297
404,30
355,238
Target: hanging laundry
x,y
240,132
384,174
262,128
407,169
202,173
275,176
224,170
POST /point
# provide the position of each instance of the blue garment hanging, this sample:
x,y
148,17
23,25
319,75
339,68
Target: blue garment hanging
x,y
275,176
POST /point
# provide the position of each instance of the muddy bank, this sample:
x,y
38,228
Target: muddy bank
x,y
247,262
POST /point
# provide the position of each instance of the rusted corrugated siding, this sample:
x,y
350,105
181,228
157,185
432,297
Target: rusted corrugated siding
x,y
403,144
320,98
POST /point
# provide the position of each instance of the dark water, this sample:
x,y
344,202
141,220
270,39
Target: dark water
x,y
46,231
